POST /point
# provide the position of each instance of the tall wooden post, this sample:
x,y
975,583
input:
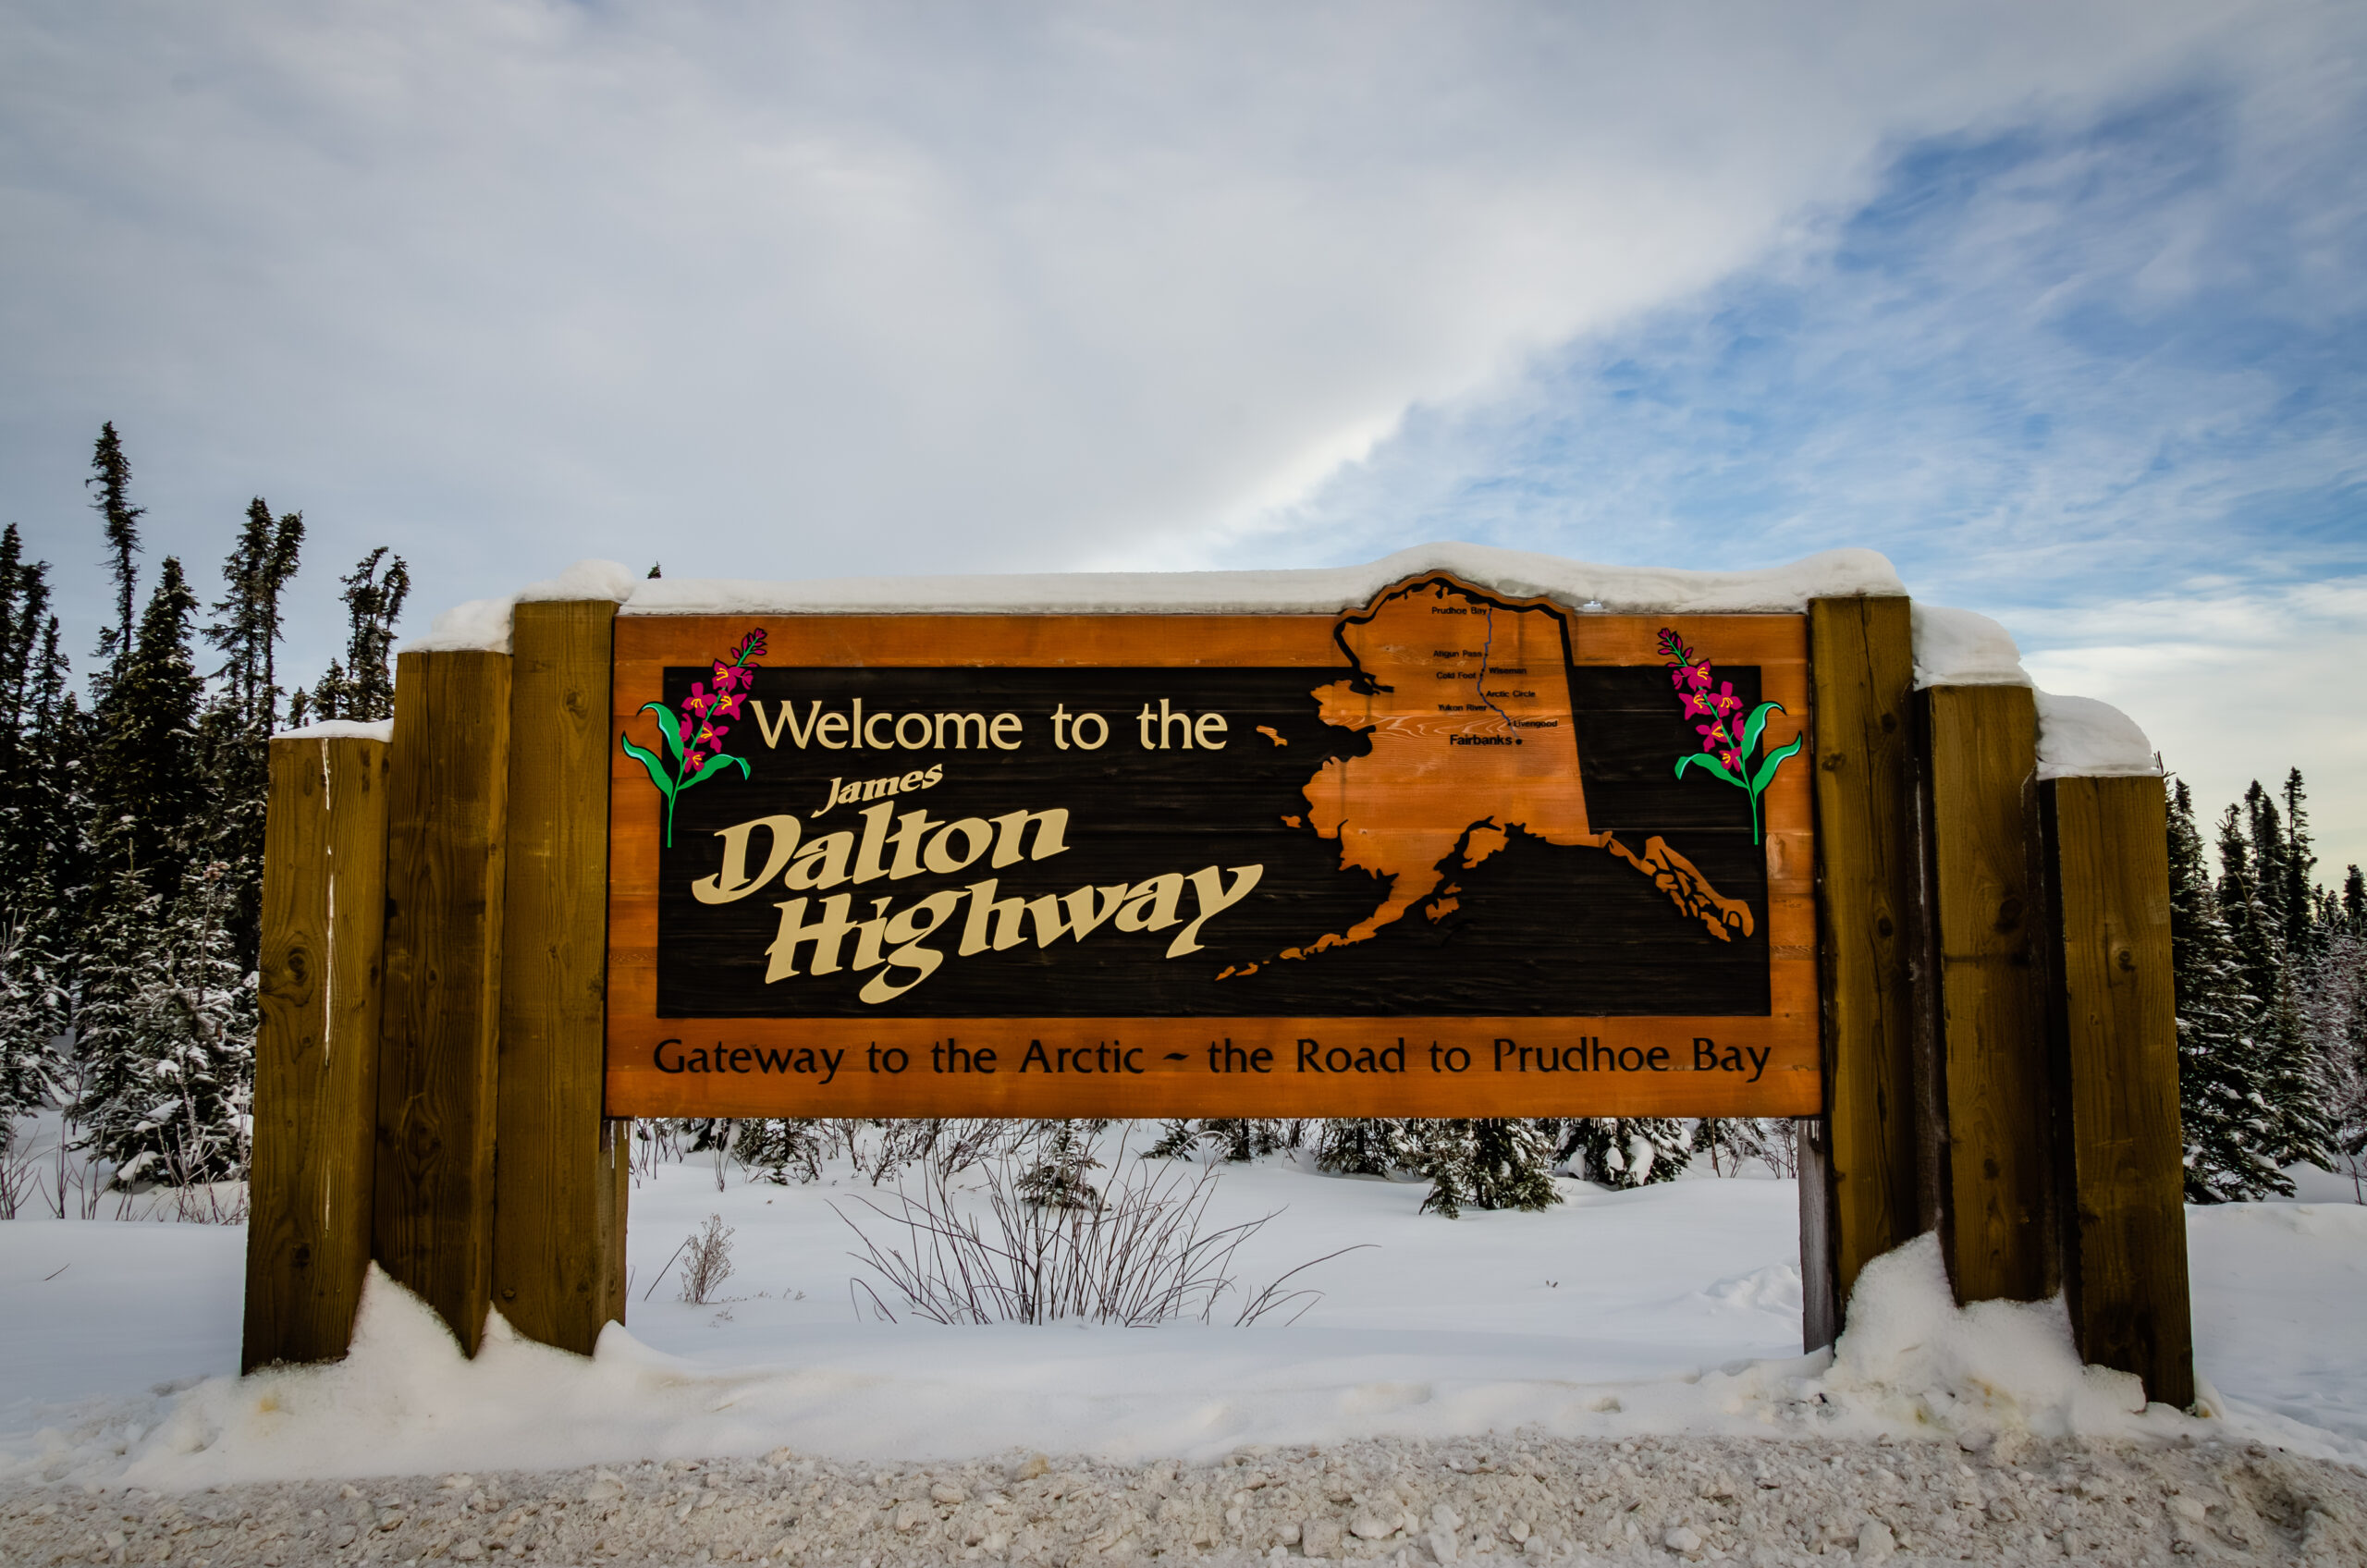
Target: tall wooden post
x,y
560,1220
1999,1226
446,835
316,1048
2115,1028
1857,1187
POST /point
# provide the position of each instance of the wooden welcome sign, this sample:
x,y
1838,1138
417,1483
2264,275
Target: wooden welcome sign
x,y
1446,854
1440,850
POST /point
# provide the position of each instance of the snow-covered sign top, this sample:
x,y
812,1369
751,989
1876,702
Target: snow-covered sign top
x,y
2076,735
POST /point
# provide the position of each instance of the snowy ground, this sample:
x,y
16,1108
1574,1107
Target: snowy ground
x,y
1669,1312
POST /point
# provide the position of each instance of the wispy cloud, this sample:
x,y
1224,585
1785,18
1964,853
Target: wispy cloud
x,y
853,287
2050,365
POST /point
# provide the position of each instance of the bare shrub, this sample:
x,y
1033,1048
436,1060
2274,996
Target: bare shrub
x,y
1139,1255
20,1182
1733,1140
706,1261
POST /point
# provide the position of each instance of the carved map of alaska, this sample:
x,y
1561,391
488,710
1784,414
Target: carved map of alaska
x,y
1467,704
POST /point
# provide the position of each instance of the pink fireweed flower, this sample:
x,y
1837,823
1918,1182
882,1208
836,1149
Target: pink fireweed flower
x,y
695,734
1729,737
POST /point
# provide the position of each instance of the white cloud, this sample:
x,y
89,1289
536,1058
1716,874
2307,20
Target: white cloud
x,y
864,288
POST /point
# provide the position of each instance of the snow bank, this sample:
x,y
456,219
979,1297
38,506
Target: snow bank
x,y
405,1401
1327,591
485,624
2078,737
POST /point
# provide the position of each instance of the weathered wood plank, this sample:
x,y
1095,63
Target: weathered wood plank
x,y
316,1049
2116,1025
558,1257
1863,1197
2000,1230
446,803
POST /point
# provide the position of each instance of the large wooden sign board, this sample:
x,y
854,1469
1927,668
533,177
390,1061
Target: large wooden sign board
x,y
1445,853
1436,856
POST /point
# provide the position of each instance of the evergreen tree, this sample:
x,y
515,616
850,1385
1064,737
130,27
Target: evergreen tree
x,y
2253,850
2299,859
235,734
1485,1163
2222,1104
168,1035
1629,1151
1240,1138
146,782
1057,1180
2354,901
2263,830
1365,1146
781,1149
111,477
362,687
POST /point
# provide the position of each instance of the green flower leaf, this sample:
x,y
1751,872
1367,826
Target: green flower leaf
x,y
649,760
1712,764
1755,723
716,765
670,730
1766,773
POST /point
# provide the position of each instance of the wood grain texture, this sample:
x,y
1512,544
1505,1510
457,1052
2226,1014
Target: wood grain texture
x,y
1863,1203
2116,1025
2000,1232
316,1049
437,1055
639,1084
559,1218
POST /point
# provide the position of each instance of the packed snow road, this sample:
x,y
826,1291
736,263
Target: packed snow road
x,y
1525,1500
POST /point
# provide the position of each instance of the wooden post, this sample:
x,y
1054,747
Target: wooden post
x,y
1858,1188
446,810
316,1049
1999,1219
2115,1027
558,1225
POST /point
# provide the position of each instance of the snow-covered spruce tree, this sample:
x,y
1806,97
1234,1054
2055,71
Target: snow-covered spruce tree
x,y
1241,1138
781,1149
36,839
2299,903
153,943
1485,1162
1179,1138
1628,1151
193,1044
2253,852
1365,1146
1064,1153
146,783
2221,1105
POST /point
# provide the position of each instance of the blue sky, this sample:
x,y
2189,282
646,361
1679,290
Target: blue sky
x,y
2060,306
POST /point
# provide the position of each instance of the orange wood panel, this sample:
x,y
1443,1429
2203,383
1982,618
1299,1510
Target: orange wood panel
x,y
1775,1057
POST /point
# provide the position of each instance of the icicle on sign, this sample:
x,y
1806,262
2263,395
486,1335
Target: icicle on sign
x,y
1450,855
